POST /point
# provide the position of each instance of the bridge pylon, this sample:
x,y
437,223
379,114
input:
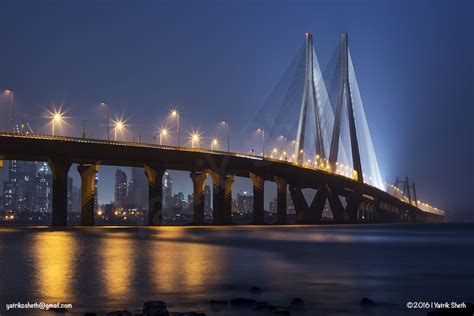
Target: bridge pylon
x,y
310,101
345,98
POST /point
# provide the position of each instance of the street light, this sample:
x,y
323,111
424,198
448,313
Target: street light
x,y
57,117
163,132
12,108
285,146
228,135
262,133
106,105
175,114
119,125
214,144
195,138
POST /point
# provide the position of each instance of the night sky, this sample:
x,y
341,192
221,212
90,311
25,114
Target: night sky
x,y
219,60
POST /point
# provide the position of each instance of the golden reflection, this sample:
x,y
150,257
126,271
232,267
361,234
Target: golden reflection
x,y
53,256
177,263
117,260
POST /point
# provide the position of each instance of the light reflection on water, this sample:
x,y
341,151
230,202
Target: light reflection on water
x,y
112,268
53,255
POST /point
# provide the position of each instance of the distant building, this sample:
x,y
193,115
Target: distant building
x,y
138,189
43,189
272,207
120,188
167,190
207,198
244,202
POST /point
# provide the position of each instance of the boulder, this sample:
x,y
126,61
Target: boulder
x,y
217,305
365,302
297,302
242,302
120,313
256,290
155,308
282,313
264,306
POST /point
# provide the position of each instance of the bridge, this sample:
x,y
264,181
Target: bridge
x,y
325,154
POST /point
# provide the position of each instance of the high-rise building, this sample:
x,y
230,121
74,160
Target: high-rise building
x,y
96,196
43,189
19,190
244,202
138,191
167,190
69,194
207,198
120,188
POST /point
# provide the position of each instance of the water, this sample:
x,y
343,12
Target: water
x,y
330,267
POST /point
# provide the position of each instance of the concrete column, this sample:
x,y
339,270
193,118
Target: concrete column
x,y
229,181
199,179
281,199
87,193
221,197
258,198
154,174
59,168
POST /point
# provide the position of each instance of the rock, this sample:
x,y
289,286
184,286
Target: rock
x,y
188,314
217,305
468,311
297,302
264,306
155,308
242,302
58,309
367,302
282,313
90,314
256,290
120,313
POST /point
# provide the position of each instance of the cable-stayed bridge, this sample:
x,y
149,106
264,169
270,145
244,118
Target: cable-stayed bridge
x,y
313,134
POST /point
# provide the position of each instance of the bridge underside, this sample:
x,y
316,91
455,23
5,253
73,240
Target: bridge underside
x,y
348,200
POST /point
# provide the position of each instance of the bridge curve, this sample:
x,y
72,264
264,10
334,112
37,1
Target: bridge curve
x,y
350,201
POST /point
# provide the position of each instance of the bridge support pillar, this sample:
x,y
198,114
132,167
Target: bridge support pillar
x,y
154,174
229,181
221,194
258,198
281,199
87,193
199,178
59,168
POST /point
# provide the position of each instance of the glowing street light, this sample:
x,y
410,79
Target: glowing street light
x,y
119,125
106,105
228,135
214,144
163,133
175,114
195,139
12,108
262,133
57,117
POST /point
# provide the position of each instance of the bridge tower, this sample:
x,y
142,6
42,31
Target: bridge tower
x,y
310,99
345,98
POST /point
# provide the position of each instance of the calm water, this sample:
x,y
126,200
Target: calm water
x,y
330,267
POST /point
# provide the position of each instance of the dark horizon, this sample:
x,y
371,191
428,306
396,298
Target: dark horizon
x,y
412,65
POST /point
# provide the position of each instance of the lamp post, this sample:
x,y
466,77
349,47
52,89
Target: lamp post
x,y
119,125
163,132
56,118
226,123
175,114
106,105
285,146
12,109
194,139
214,143
262,133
